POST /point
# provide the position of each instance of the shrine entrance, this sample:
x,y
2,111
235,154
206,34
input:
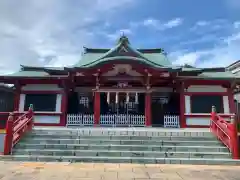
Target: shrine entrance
x,y
123,104
122,109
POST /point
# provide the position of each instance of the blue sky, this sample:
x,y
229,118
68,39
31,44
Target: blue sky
x,y
202,33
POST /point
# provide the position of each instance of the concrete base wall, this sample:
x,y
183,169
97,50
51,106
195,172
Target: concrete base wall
x,y
2,137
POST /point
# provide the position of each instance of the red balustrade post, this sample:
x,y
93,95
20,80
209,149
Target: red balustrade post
x,y
213,119
213,113
234,138
8,142
30,115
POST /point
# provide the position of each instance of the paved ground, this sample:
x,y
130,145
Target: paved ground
x,y
85,171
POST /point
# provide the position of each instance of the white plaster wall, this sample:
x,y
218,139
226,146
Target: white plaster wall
x,y
237,97
204,121
187,105
58,103
21,102
41,87
2,137
226,107
206,88
47,119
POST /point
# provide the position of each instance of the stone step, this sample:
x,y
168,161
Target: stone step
x,y
151,132
142,160
110,137
108,153
125,142
124,147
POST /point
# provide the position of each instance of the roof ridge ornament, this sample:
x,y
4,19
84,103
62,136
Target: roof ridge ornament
x,y
123,39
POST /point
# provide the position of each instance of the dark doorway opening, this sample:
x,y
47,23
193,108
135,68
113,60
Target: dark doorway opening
x,y
73,103
80,103
164,104
173,105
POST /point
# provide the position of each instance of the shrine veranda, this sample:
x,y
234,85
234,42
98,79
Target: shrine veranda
x,y
122,87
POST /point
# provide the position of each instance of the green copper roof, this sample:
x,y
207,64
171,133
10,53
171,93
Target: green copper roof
x,y
220,75
214,75
30,71
28,74
191,69
41,68
123,51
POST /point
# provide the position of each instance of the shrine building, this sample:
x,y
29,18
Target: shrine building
x,y
123,86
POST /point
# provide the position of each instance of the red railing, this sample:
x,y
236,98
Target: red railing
x,y
17,126
225,131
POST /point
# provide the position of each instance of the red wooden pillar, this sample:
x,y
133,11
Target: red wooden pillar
x,y
232,107
148,113
17,93
96,108
182,107
64,102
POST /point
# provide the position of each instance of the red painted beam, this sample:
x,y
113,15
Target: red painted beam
x,y
42,92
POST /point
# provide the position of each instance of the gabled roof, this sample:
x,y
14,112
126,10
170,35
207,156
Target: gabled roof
x,y
123,51
29,74
233,65
49,70
29,71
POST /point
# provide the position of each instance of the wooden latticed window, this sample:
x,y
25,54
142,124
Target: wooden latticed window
x,y
132,105
202,103
85,103
41,102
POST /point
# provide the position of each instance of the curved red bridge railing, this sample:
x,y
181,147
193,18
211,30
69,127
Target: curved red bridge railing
x,y
17,126
225,131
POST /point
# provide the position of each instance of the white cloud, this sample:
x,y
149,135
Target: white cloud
x,y
202,23
182,58
223,54
49,32
202,26
173,23
236,24
157,24
202,39
151,22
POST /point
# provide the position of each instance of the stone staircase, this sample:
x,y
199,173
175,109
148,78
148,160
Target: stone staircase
x,y
122,145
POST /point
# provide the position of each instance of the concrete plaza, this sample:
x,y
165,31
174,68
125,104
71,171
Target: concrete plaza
x,y
95,171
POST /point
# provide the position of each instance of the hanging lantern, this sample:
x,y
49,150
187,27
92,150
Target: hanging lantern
x,y
116,98
127,97
136,98
108,97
